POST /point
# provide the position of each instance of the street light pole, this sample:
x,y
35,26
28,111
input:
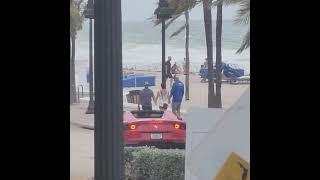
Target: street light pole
x,y
163,12
89,13
163,51
90,109
108,116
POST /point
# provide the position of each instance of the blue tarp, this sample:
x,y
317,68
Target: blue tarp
x,y
231,72
128,82
137,80
228,71
141,79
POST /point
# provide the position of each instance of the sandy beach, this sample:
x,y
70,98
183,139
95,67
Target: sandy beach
x,y
198,96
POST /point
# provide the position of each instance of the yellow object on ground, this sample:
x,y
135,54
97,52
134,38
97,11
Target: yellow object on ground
x,y
234,168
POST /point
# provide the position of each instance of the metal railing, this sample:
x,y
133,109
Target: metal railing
x,y
79,92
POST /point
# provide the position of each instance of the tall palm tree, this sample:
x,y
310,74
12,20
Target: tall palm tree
x,y
76,20
186,27
187,56
243,17
218,102
207,17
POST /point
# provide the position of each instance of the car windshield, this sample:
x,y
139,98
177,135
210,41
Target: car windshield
x,y
147,114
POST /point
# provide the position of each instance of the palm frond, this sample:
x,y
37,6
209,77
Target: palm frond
x,y
158,21
78,3
172,20
150,18
226,2
185,5
179,7
75,19
179,30
243,15
245,43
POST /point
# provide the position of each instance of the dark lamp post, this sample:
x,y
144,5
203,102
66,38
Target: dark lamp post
x,y
163,13
89,13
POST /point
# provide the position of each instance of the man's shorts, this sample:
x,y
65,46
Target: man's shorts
x,y
176,106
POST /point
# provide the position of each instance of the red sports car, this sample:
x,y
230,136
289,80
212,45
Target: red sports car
x,y
154,128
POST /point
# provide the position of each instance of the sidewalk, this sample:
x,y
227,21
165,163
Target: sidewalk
x,y
80,178
79,117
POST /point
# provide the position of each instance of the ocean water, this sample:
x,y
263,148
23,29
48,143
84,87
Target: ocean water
x,y
141,46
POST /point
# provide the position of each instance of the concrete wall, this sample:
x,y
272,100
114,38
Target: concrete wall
x,y
212,134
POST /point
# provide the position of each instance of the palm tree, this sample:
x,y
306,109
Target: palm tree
x,y
76,20
187,56
207,17
186,27
243,17
179,8
218,102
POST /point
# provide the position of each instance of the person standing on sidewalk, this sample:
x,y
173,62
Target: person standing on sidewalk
x,y
177,92
174,69
168,70
164,98
145,97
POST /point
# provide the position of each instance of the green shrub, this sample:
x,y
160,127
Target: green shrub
x,y
144,163
128,159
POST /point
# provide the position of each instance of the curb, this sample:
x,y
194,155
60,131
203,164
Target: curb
x,y
83,125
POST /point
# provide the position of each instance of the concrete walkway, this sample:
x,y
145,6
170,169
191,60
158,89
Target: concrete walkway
x,y
81,152
80,178
79,117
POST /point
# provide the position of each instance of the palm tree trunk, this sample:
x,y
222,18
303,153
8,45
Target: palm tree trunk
x,y
73,93
207,17
187,55
218,103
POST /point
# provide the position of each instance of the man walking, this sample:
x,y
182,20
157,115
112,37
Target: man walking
x,y
168,70
177,92
174,69
145,97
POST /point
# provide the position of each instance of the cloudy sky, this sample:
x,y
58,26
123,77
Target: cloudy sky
x,y
140,10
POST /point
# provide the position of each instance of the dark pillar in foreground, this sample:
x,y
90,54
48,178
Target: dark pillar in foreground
x,y
108,90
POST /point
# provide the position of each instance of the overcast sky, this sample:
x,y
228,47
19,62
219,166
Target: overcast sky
x,y
140,10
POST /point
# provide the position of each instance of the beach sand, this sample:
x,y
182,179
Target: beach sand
x,y
198,96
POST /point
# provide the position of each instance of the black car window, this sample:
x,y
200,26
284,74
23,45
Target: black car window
x,y
147,114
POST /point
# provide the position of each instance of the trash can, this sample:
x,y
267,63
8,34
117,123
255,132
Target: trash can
x,y
133,96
